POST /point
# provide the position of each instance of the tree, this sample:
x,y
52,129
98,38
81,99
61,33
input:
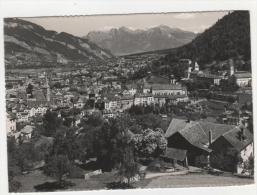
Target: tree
x,y
151,143
57,166
13,168
50,124
128,166
29,89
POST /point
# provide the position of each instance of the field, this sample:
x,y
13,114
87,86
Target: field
x,y
99,182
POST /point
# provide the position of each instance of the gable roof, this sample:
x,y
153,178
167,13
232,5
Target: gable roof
x,y
197,132
27,129
243,74
233,137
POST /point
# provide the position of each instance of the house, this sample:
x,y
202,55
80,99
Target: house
x,y
22,117
41,110
238,140
194,136
26,132
207,142
126,101
10,124
143,99
132,89
111,103
243,78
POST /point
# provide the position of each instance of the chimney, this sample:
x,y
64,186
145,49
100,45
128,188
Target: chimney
x,y
210,138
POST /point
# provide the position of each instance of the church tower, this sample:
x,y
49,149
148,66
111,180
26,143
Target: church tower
x,y
196,67
48,92
231,66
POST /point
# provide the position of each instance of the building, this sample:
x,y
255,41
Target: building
x,y
211,79
168,89
243,79
126,101
206,141
26,133
112,103
10,124
143,99
238,140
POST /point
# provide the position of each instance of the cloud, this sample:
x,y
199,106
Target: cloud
x,y
184,16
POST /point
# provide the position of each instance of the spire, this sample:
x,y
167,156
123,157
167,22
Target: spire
x,y
48,92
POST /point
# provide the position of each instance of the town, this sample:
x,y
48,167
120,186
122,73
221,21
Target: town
x,y
198,125
80,118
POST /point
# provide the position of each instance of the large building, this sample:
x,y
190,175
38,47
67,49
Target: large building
x,y
168,89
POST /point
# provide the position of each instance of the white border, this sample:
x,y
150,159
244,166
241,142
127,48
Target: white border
x,y
26,8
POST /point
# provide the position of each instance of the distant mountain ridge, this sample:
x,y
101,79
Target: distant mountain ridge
x,y
123,40
28,42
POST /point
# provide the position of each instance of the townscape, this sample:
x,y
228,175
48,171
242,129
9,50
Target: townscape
x,y
139,120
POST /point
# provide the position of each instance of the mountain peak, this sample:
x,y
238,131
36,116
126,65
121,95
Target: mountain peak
x,y
124,40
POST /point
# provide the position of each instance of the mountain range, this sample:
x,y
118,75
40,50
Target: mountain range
x,y
30,43
123,40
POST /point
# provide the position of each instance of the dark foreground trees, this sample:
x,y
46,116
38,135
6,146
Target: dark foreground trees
x,y
58,166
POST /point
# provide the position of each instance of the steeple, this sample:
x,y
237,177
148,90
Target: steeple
x,y
196,67
231,66
48,92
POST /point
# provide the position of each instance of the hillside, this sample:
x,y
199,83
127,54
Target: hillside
x,y
123,41
28,43
228,38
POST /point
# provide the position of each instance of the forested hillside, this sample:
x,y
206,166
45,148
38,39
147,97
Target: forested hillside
x,y
228,38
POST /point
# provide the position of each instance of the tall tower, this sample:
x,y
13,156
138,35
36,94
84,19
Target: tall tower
x,y
48,92
196,67
231,66
189,70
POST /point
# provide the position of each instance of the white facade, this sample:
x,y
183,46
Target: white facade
x,y
143,100
245,154
37,111
132,91
10,125
169,92
110,105
243,82
22,117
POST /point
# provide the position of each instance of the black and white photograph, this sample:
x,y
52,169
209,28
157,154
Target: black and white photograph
x,y
129,101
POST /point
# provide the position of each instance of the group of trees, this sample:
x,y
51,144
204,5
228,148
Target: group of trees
x,y
116,143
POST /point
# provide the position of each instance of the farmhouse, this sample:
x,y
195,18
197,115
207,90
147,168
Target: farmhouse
x,y
204,139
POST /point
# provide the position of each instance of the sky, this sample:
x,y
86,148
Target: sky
x,y
80,25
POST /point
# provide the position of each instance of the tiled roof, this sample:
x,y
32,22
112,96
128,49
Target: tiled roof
x,y
27,129
167,87
233,137
197,132
243,75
